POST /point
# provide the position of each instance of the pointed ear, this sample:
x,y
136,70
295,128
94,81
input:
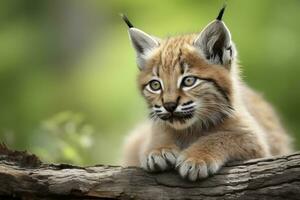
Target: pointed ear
x,y
215,42
142,42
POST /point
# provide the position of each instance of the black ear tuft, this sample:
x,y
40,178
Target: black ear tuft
x,y
215,41
126,20
221,13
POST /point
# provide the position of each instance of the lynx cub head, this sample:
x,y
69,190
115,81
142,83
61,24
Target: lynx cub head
x,y
187,79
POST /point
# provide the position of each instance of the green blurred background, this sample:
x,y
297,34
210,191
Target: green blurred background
x,y
68,75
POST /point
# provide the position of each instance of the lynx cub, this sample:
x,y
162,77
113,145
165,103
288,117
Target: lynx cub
x,y
202,114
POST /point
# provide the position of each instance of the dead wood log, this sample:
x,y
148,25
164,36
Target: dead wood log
x,y
24,176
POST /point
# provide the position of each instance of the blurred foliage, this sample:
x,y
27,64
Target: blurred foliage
x,y
70,139
63,55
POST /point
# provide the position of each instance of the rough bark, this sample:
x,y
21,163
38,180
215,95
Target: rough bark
x,y
24,176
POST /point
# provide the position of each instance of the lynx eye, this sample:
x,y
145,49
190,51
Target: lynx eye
x,y
154,86
188,81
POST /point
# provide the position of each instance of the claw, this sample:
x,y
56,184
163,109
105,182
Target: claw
x,y
159,160
196,168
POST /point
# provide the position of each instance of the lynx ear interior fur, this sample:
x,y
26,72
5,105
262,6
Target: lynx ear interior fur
x,y
215,41
142,42
202,114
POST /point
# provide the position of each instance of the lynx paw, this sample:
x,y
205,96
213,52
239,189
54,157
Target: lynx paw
x,y
159,159
198,167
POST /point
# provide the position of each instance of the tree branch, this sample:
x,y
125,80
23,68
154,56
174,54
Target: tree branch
x,y
23,176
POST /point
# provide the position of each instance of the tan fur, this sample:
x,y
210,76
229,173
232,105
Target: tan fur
x,y
252,130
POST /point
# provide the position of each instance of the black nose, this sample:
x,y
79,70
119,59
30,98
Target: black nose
x,y
170,106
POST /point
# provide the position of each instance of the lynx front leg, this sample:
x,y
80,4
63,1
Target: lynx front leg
x,y
209,153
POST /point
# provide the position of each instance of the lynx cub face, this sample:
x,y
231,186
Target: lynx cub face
x,y
182,88
186,79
